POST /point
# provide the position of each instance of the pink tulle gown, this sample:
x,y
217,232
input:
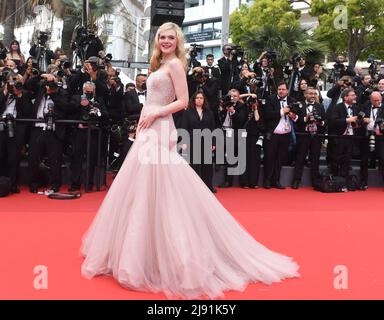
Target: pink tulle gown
x,y
160,228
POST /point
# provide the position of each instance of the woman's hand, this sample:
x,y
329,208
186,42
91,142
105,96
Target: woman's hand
x,y
147,119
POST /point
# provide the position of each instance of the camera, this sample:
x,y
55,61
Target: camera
x,y
250,100
313,121
42,38
227,101
379,123
294,107
372,69
91,109
196,48
296,58
49,117
360,120
108,58
199,75
271,55
372,142
51,84
236,51
7,122
12,85
256,81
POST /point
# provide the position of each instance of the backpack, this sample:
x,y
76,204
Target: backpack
x,y
329,184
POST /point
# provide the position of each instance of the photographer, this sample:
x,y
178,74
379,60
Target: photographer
x,y
52,103
254,141
192,53
334,93
342,120
374,67
200,80
196,118
364,90
232,115
229,66
212,69
134,99
296,72
310,122
265,72
114,107
91,71
370,131
40,52
15,103
90,108
375,127
279,114
86,42
339,70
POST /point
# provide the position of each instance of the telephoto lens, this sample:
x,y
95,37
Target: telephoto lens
x,y
372,141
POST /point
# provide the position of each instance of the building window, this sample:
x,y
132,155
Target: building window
x,y
109,27
191,3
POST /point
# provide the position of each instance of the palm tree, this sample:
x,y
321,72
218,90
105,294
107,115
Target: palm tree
x,y
285,42
71,13
14,13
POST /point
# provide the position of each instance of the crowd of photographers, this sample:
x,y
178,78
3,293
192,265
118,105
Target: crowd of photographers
x,y
281,109
52,110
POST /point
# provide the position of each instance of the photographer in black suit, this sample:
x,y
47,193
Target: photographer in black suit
x,y
15,103
91,108
233,115
200,80
254,141
279,114
228,67
51,103
342,120
371,135
134,99
310,122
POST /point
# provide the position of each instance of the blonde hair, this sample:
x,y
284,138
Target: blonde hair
x,y
180,51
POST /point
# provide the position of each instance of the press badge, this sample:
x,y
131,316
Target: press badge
x,y
229,133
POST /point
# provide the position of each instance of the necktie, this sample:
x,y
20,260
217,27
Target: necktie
x,y
141,93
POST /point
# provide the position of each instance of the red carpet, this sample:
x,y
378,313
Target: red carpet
x,y
320,231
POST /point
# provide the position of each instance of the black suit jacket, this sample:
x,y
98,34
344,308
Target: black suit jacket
x,y
226,69
271,112
238,118
337,116
301,124
63,106
131,105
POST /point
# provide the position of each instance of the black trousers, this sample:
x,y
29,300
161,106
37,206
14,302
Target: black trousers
x,y
363,145
342,150
275,154
307,144
79,145
380,152
10,150
202,168
233,152
253,159
39,142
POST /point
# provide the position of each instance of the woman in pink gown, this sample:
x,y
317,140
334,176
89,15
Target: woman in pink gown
x,y
159,227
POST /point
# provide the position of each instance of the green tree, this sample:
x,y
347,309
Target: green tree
x,y
278,14
357,31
